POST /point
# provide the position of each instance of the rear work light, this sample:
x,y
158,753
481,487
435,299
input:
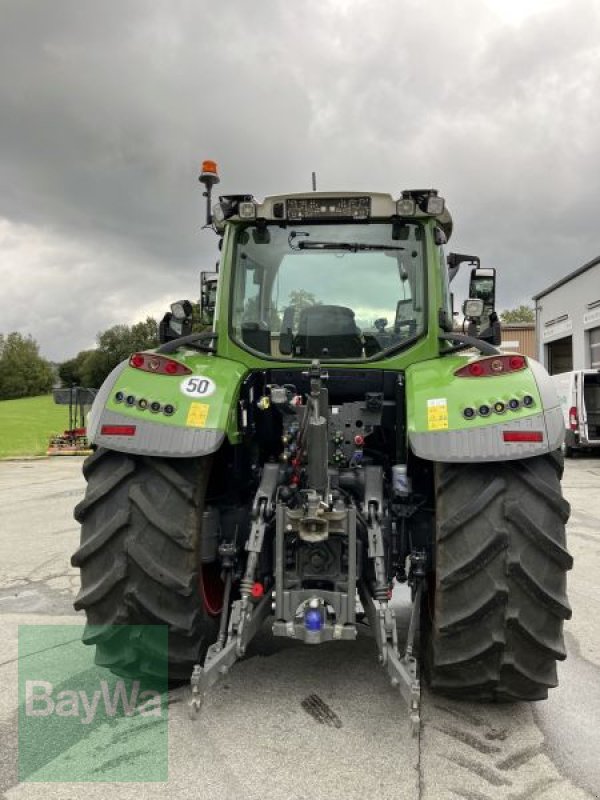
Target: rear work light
x,y
495,365
523,436
158,364
117,430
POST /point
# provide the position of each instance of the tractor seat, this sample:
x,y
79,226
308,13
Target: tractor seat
x,y
327,331
257,336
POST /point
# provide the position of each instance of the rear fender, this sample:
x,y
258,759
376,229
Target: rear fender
x,y
439,431
204,403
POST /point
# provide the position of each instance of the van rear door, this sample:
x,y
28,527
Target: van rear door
x,y
589,418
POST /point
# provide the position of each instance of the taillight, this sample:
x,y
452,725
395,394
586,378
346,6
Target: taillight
x,y
495,365
158,364
573,418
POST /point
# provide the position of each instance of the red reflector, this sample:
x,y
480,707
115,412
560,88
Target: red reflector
x,y
523,436
137,360
257,590
117,430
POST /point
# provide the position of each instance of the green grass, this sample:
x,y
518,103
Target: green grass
x,y
26,425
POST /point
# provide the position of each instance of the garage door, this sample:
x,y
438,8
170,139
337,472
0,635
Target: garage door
x,y
595,348
559,355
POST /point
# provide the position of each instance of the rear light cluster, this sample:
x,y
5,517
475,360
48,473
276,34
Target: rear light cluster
x,y
142,404
159,365
499,407
493,366
573,418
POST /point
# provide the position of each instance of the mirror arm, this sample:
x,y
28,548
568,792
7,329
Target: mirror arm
x,y
471,341
193,340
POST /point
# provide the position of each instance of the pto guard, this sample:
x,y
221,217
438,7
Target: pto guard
x,y
204,405
438,430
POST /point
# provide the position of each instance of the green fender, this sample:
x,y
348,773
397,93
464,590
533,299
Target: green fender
x,y
438,430
196,410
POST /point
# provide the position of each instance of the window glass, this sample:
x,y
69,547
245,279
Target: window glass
x,y
329,291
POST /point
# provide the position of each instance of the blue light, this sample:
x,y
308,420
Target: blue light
x,y
313,621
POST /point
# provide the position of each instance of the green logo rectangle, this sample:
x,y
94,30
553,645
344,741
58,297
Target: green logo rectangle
x,y
80,722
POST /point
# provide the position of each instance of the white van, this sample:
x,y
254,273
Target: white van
x,y
579,394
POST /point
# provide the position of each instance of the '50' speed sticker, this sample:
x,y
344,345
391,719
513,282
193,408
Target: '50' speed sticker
x,y
197,386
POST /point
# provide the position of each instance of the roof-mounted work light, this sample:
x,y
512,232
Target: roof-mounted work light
x,y
426,200
406,207
247,210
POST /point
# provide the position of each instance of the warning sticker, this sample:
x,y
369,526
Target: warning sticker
x,y
198,414
437,414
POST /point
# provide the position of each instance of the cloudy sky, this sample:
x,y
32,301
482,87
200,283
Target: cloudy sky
x,y
107,109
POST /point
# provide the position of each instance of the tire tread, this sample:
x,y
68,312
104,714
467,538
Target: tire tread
x,y
499,600
138,557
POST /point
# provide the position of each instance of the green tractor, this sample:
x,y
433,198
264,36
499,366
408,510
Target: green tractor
x,y
330,437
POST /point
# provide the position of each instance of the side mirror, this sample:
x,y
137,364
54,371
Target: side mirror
x,y
483,287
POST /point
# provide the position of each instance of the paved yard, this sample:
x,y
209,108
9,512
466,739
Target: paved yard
x,y
254,739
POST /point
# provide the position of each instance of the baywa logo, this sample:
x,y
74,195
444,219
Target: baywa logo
x,y
41,701
80,722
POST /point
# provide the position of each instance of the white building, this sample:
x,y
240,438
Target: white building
x,y
568,321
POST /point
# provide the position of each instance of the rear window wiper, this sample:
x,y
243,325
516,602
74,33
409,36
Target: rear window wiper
x,y
352,247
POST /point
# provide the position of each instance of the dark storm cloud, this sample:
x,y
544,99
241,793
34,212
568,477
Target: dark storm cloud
x,y
107,110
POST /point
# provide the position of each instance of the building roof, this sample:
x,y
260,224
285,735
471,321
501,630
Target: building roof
x,y
568,277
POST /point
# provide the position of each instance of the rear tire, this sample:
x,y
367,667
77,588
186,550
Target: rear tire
x,y
139,561
497,605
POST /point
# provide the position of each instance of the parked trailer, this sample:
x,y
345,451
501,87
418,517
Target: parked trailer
x,y
73,441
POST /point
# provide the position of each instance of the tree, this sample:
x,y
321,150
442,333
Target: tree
x,y
23,372
300,298
115,345
69,371
521,314
251,314
95,367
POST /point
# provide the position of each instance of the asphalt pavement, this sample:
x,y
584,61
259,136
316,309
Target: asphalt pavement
x,y
292,722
